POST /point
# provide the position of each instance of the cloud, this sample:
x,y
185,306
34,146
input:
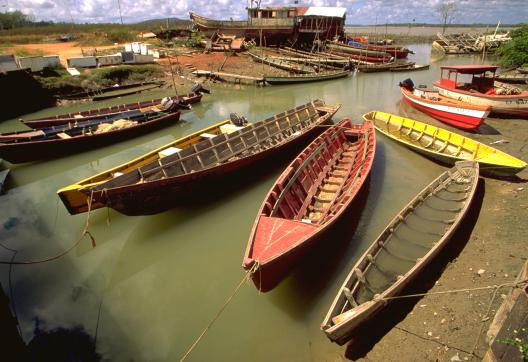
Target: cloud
x,y
358,11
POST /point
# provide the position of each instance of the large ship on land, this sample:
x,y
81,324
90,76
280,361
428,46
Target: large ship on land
x,y
279,23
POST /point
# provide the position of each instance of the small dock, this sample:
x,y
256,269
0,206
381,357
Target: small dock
x,y
235,77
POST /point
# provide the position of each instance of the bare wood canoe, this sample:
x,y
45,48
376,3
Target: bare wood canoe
x,y
175,173
444,146
403,250
307,199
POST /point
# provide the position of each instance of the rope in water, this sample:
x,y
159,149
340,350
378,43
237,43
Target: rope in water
x,y
55,257
226,303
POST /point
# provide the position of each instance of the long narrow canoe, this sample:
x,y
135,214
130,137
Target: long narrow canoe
x,y
444,146
382,67
282,64
448,110
410,68
18,147
305,78
73,117
183,169
307,199
357,51
402,251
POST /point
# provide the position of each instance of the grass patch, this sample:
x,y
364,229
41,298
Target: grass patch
x,y
22,52
63,83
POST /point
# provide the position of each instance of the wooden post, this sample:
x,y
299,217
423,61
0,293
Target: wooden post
x,y
172,75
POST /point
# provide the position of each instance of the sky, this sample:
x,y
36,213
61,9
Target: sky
x,y
366,12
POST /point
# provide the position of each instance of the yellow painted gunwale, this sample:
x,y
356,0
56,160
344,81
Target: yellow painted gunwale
x,y
480,152
70,194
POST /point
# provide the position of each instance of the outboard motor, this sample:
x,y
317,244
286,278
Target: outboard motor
x,y
167,103
198,88
238,120
180,104
407,84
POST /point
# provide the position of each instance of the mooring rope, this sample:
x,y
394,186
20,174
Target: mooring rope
x,y
55,257
226,303
510,284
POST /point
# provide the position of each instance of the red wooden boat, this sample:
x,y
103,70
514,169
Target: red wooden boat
x,y
451,111
475,84
307,198
183,101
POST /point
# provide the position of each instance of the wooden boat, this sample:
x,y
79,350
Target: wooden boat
x,y
444,146
448,110
481,89
362,59
304,78
282,64
410,68
403,250
307,198
120,111
177,172
382,67
343,48
522,70
397,52
255,27
25,146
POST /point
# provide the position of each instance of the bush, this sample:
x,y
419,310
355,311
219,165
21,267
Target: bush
x,y
514,53
120,36
126,72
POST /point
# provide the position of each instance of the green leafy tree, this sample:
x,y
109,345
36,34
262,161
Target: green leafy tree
x,y
514,53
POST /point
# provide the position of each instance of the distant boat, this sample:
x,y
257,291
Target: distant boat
x,y
305,78
282,64
448,110
402,251
113,92
119,111
382,67
444,146
410,68
25,146
357,51
307,199
176,173
481,89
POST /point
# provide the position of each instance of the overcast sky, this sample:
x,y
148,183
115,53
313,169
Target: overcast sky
x,y
358,11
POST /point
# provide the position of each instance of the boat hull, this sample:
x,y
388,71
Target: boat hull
x,y
66,118
305,79
157,196
277,242
468,117
45,149
510,105
444,146
343,318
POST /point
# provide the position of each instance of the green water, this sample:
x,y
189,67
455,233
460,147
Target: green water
x,y
153,283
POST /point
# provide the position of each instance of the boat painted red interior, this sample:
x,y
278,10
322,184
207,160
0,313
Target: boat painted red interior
x,y
307,198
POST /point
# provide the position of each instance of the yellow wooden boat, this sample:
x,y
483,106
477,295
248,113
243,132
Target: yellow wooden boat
x,y
77,202
443,145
